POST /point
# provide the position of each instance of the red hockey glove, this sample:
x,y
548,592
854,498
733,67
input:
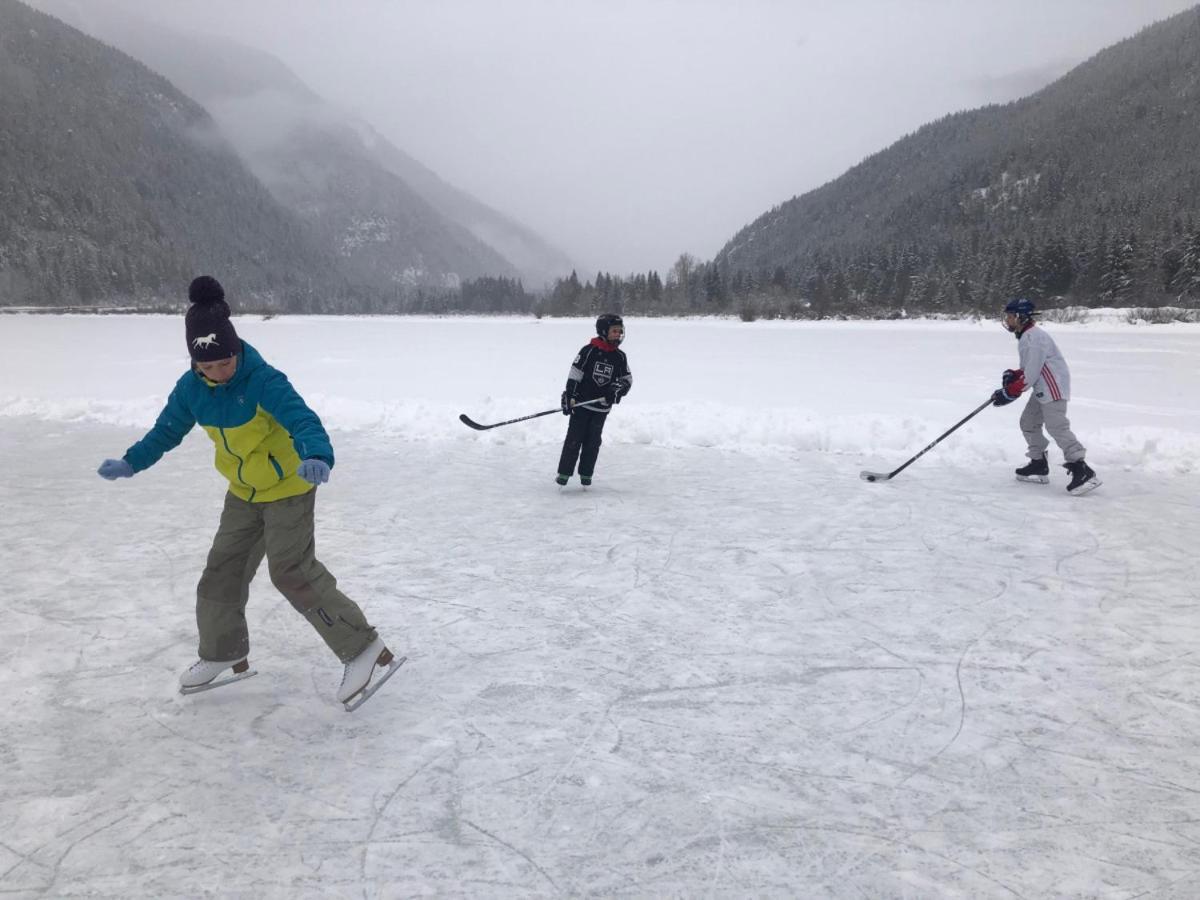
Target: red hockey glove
x,y
1013,381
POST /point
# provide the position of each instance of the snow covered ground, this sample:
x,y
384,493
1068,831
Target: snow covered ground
x,y
731,668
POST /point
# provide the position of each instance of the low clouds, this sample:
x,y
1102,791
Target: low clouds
x,y
629,132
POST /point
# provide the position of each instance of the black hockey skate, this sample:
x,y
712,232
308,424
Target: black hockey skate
x,y
1036,471
1083,479
585,480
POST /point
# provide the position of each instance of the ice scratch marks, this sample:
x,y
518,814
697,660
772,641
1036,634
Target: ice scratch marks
x,y
22,858
962,702
56,867
899,707
189,739
382,810
616,747
719,865
566,767
525,856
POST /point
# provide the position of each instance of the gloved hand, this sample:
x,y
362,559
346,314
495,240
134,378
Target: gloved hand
x,y
1013,381
112,469
566,404
314,471
614,394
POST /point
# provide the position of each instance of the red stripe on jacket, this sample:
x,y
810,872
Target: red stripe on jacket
x,y
1055,393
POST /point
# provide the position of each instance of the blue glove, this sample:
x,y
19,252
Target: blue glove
x,y
1000,398
112,469
314,471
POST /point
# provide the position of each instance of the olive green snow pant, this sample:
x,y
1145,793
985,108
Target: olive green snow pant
x,y
282,531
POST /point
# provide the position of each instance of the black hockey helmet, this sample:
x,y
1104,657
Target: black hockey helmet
x,y
1023,309
607,321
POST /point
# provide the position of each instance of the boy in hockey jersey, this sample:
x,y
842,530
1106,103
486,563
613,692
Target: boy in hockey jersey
x,y
599,377
274,451
1043,369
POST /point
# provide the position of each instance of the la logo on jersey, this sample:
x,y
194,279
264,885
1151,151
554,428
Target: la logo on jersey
x,y
602,373
207,340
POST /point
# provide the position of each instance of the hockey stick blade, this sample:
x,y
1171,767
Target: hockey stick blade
x,y
470,423
874,476
363,696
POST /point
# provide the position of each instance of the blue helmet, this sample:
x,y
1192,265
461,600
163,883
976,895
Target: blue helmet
x,y
1022,309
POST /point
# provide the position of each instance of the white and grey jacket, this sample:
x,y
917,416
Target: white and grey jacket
x,y
1045,369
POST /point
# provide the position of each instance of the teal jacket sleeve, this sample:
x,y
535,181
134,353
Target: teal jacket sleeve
x,y
172,426
280,399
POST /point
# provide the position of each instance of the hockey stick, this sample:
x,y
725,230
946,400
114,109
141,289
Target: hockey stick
x,y
471,423
886,476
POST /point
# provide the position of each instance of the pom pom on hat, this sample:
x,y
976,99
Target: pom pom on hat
x,y
206,290
210,334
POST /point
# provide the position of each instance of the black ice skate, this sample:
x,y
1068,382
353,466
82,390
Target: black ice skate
x,y
1036,471
562,479
585,480
1083,479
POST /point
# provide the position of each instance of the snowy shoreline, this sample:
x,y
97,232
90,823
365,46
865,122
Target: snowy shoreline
x,y
868,391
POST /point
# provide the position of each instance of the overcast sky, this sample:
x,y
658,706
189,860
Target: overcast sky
x,y
629,131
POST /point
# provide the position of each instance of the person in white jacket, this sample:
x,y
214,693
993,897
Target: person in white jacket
x,y
1044,371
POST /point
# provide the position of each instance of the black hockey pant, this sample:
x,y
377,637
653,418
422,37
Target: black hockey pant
x,y
582,442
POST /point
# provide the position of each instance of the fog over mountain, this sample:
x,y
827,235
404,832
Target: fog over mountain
x,y
628,133
117,186
389,216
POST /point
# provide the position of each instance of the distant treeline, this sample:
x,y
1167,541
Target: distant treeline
x,y
1118,269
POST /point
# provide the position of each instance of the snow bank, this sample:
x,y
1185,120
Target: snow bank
x,y
874,391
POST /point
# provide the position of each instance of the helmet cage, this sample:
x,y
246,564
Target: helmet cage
x,y
1023,309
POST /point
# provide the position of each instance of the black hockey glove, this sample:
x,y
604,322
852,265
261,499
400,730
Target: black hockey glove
x,y
566,404
614,394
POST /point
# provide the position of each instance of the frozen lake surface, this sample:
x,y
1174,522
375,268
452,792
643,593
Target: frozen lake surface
x,y
731,668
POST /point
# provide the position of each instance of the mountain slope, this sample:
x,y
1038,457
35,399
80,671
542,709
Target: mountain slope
x,y
1088,189
383,233
538,262
398,222
116,186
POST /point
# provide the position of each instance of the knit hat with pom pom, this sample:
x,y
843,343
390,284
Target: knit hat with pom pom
x,y
210,334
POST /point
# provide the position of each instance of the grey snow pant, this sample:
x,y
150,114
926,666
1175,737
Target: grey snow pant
x,y
282,531
1054,416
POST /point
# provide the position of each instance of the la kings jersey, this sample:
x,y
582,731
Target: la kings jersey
x,y
597,368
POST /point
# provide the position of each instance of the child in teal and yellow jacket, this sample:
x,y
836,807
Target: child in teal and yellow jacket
x,y
273,450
